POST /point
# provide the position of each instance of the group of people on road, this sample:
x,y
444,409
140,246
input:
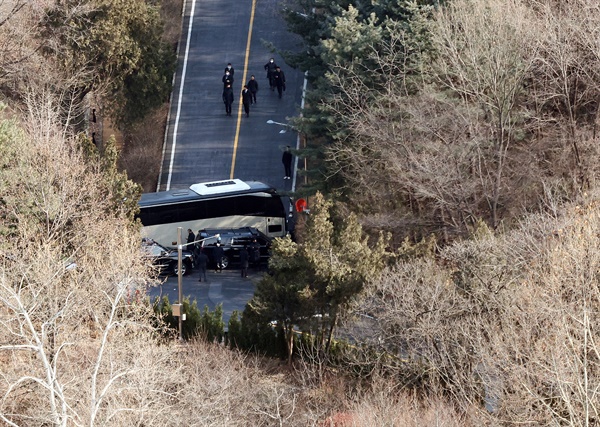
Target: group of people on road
x,y
275,76
276,79
249,255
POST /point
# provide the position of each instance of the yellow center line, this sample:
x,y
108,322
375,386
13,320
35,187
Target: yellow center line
x,y
239,115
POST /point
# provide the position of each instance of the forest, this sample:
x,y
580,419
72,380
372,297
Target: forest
x,y
447,274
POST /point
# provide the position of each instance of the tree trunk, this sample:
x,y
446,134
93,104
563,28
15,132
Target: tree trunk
x,y
289,340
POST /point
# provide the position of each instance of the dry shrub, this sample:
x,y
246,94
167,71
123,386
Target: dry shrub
x,y
79,346
171,12
220,387
506,325
405,411
142,153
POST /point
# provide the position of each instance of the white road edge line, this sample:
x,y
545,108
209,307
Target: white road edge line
x,y
165,138
185,60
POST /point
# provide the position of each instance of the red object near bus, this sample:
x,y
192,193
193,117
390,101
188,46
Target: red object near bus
x,y
301,205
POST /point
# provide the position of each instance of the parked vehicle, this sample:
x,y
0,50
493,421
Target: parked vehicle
x,y
217,204
166,259
232,240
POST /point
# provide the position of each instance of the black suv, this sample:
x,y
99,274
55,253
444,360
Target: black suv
x,y
166,259
232,240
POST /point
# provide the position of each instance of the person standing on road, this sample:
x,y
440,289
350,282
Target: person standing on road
x,y
202,262
279,80
286,159
255,254
218,258
244,260
190,241
246,100
271,67
229,69
228,99
253,88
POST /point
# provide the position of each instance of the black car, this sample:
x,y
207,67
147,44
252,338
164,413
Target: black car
x,y
166,259
232,240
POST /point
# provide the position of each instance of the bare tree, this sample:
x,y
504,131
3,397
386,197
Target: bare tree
x,y
74,326
503,322
481,58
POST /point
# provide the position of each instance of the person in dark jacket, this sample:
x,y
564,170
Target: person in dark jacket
x,y
201,263
246,100
218,254
244,260
229,69
228,99
253,88
279,80
190,239
286,159
271,67
255,254
227,79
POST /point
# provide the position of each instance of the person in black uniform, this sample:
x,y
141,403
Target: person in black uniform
x,y
279,80
228,99
253,88
229,69
227,79
286,159
254,253
271,67
244,261
201,263
246,100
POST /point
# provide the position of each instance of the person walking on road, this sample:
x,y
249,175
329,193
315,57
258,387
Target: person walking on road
x,y
228,99
271,67
229,69
286,159
279,80
246,100
253,88
244,260
227,79
202,262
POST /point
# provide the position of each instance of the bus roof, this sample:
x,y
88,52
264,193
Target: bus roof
x,y
206,190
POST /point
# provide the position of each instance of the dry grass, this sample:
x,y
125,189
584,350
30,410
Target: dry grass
x,y
142,151
170,12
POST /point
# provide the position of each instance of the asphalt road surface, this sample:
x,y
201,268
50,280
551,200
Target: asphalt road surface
x,y
226,288
202,143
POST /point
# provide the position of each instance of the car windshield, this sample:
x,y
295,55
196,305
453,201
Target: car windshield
x,y
154,249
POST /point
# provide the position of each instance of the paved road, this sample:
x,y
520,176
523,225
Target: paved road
x,y
226,288
203,144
